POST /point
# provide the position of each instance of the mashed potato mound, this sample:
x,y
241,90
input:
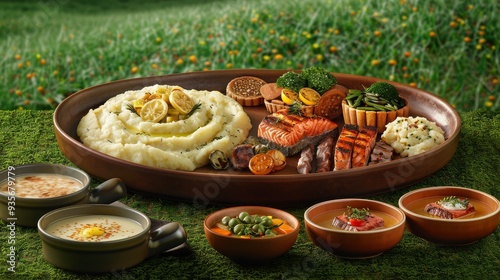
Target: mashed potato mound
x,y
412,135
220,123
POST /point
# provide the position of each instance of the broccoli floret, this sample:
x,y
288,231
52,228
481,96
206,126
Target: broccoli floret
x,y
384,90
291,80
319,79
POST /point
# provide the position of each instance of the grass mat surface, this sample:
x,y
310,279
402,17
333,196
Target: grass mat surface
x,y
28,137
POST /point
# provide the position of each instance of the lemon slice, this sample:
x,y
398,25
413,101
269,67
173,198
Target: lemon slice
x,y
172,118
154,110
138,105
181,101
261,164
279,159
289,96
173,112
309,96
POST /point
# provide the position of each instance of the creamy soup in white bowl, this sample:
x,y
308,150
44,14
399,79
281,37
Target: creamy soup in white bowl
x,y
95,228
42,185
27,192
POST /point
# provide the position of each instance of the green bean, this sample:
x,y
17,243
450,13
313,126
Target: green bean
x,y
370,101
381,102
391,108
394,107
358,101
353,95
380,107
371,94
383,99
366,108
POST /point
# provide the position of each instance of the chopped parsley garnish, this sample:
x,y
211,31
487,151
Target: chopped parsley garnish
x,y
355,213
453,200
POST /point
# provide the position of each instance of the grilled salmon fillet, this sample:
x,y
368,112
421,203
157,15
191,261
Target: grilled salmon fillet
x,y
363,145
344,147
291,133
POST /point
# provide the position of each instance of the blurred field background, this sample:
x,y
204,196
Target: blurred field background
x,y
50,49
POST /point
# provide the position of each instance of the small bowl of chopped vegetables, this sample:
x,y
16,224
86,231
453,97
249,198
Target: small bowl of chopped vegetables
x,y
354,228
251,234
450,215
377,105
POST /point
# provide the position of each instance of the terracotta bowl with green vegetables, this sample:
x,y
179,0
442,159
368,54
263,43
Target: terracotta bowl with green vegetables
x,y
376,105
251,234
354,228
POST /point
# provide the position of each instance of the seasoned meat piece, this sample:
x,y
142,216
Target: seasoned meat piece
x,y
370,222
382,152
241,156
324,154
304,166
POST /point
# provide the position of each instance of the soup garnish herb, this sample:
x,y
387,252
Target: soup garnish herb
x,y
357,216
453,201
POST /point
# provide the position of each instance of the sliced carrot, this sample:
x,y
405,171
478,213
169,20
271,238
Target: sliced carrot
x,y
277,221
221,231
284,229
245,236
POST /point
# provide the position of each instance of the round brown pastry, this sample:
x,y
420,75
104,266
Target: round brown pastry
x,y
330,103
246,90
270,91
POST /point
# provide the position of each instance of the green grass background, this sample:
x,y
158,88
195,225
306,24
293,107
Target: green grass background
x,y
53,48
30,138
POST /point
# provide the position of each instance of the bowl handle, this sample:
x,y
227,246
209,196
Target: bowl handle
x,y
166,237
107,192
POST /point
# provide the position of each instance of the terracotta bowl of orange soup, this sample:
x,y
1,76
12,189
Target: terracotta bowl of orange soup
x,y
27,192
319,218
451,232
246,249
